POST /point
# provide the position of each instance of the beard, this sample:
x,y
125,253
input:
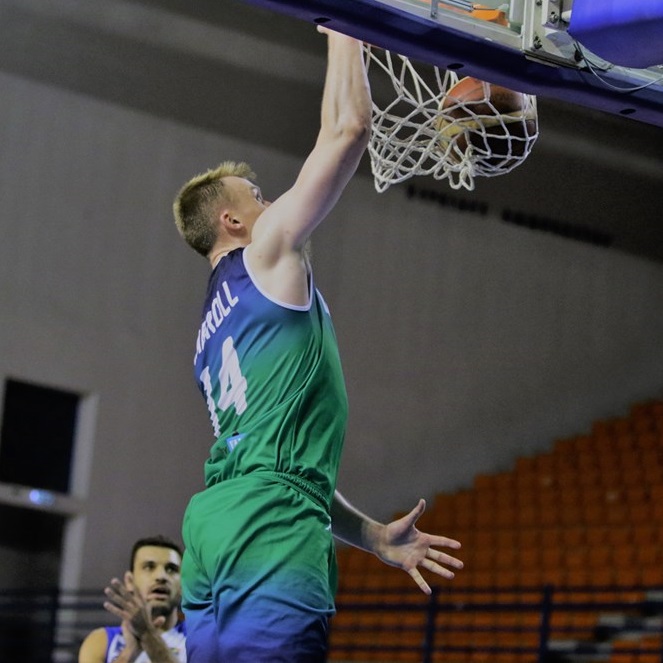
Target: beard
x,y
163,609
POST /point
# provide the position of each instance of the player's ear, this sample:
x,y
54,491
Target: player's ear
x,y
129,580
229,222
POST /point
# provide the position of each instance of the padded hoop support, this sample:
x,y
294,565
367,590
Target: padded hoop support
x,y
625,32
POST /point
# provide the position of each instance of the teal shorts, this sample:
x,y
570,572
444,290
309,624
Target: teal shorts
x,y
258,574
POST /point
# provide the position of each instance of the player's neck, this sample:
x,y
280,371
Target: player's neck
x,y
171,621
216,256
221,252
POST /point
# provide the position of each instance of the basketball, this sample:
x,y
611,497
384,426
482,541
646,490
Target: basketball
x,y
497,124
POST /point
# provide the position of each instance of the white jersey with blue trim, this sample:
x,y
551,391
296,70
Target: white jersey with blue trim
x,y
175,639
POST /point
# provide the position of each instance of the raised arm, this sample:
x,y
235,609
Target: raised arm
x,y
282,230
398,544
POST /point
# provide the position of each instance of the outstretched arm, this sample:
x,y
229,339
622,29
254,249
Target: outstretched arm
x,y
398,544
283,229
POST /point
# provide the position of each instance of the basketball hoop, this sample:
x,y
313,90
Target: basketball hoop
x,y
442,126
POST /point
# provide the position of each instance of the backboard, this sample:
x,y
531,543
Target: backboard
x,y
605,55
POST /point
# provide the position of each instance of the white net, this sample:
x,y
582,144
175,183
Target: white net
x,y
424,131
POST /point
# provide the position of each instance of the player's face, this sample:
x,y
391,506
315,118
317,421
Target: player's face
x,y
247,201
156,577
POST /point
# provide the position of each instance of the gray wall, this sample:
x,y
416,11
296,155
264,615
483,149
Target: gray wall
x,y
466,341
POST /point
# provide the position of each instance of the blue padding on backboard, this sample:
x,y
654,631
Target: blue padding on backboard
x,y
623,32
423,39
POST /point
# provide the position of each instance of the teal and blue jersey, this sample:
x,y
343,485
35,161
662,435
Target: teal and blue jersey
x,y
272,379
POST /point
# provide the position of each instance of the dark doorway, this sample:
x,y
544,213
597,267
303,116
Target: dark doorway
x,y
37,435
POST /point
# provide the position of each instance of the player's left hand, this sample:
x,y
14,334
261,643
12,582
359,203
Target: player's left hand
x,y
404,546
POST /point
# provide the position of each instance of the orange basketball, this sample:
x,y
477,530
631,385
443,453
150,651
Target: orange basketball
x,y
499,124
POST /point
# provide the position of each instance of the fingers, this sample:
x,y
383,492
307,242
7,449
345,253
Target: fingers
x,y
411,518
114,610
334,34
436,562
437,569
444,542
129,607
120,599
116,590
433,562
419,579
443,558
119,609
419,509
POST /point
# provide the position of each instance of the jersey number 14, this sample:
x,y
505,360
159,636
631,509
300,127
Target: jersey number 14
x,y
232,385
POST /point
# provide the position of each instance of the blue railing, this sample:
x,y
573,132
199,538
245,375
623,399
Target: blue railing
x,y
47,626
527,625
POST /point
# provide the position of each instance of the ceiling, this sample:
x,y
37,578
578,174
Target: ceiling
x,y
205,62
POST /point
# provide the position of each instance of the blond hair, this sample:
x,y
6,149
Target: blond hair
x,y
197,204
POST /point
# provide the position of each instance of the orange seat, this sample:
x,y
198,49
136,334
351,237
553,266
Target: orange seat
x,y
617,536
506,539
574,536
644,534
599,557
586,518
596,535
528,537
550,538
649,555
649,440
529,557
651,575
